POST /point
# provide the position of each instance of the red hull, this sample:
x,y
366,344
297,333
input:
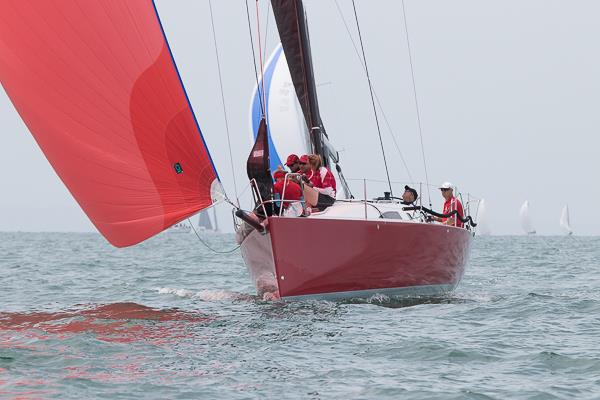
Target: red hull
x,y
354,258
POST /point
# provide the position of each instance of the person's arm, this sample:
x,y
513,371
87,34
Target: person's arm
x,y
450,221
307,181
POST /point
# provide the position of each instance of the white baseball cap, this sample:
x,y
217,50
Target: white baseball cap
x,y
446,185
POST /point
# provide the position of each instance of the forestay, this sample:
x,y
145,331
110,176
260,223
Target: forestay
x,y
96,84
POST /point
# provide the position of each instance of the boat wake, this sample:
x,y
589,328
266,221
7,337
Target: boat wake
x,y
205,295
401,302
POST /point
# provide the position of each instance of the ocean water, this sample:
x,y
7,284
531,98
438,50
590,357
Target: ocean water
x,y
170,319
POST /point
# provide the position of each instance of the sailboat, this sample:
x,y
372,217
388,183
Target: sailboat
x,y
204,222
525,219
483,225
98,87
564,221
368,246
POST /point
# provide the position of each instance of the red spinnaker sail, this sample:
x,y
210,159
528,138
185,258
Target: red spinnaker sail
x,y
96,84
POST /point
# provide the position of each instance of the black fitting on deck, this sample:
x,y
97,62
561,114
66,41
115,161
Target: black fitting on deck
x,y
243,215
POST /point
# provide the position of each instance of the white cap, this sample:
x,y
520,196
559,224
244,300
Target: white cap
x,y
446,185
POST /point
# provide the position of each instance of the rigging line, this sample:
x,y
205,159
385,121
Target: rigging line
x,y
262,106
372,98
385,118
262,67
412,74
212,23
267,27
207,245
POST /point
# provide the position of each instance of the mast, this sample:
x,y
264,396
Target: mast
x,y
293,33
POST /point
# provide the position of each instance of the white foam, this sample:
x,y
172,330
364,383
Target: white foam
x,y
176,292
216,295
204,295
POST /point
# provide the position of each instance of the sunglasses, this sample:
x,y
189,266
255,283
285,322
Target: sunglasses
x,y
445,190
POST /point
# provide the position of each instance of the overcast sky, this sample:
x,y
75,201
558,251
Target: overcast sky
x,y
509,93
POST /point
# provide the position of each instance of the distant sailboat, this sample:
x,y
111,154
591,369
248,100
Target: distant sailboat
x,y
526,223
565,223
483,226
205,223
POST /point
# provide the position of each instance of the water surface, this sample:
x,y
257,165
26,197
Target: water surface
x,y
170,319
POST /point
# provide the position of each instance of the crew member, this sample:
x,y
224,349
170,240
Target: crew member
x,y
304,167
323,181
293,163
409,196
451,204
288,191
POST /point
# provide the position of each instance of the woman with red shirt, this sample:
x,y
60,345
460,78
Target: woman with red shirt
x,y
323,181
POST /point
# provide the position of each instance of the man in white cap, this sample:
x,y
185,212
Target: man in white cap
x,y
451,203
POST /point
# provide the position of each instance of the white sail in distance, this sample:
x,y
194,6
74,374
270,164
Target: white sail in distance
x,y
483,226
565,223
204,222
526,223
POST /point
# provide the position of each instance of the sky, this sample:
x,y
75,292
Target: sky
x,y
508,93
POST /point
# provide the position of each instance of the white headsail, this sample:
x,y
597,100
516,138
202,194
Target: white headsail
x,y
565,223
526,223
285,122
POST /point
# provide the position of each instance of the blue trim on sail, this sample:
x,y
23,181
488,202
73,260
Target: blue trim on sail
x,y
257,112
184,91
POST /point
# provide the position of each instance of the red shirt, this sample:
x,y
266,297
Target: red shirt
x,y
313,177
292,191
454,204
322,179
327,179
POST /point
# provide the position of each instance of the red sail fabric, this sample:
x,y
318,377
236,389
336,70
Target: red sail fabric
x,y
97,87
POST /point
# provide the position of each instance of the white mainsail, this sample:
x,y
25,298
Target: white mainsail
x,y
526,223
565,224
